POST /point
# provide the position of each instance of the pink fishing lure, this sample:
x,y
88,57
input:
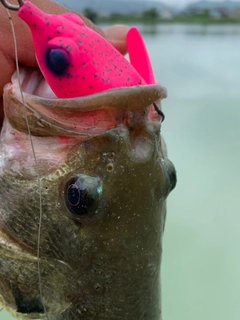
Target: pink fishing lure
x,y
77,61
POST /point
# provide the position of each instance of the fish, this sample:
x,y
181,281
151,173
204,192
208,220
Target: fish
x,y
97,182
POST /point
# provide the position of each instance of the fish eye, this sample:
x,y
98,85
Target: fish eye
x,y
81,194
171,173
57,60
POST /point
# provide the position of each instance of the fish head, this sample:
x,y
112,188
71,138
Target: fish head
x,y
83,203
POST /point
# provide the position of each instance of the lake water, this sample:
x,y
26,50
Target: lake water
x,y
200,66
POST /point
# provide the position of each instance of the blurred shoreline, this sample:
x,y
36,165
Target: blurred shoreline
x,y
183,20
152,16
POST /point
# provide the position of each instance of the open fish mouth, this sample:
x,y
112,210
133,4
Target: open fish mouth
x,y
82,116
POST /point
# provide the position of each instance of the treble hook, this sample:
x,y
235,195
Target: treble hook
x,y
12,6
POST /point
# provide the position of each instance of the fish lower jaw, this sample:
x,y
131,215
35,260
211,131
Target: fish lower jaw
x,y
81,117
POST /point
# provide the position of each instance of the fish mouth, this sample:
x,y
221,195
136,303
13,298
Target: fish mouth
x,y
83,116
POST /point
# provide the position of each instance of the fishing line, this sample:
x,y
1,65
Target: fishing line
x,y
35,160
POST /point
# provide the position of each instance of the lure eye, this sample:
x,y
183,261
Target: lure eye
x,y
82,194
57,60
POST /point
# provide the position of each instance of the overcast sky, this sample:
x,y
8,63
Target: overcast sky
x,y
176,3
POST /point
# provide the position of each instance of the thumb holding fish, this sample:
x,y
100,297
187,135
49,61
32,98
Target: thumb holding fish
x,y
26,55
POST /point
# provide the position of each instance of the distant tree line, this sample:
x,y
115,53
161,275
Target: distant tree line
x,y
151,14
91,14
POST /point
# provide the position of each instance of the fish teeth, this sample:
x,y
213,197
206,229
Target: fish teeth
x,y
32,82
43,90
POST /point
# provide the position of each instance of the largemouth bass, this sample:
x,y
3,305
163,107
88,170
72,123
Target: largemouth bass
x,y
104,183
83,202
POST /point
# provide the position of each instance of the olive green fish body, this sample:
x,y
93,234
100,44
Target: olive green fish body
x,y
103,200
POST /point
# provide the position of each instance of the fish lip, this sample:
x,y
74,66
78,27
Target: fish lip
x,y
98,100
82,116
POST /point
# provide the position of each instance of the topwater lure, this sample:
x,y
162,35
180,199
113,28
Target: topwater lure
x,y
75,60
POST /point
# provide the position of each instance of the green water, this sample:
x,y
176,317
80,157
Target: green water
x,y
200,66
